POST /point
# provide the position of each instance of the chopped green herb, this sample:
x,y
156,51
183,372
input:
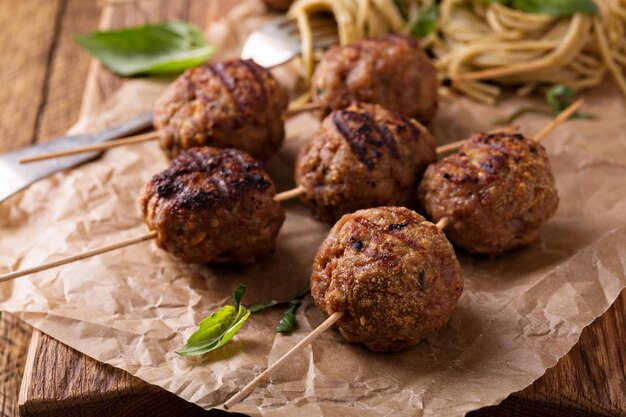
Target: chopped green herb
x,y
288,319
163,48
560,97
426,21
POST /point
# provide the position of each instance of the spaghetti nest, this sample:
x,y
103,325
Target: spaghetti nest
x,y
482,46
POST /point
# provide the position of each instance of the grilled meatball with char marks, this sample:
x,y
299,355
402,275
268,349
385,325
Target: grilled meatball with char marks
x,y
391,71
363,156
497,191
213,205
394,276
232,104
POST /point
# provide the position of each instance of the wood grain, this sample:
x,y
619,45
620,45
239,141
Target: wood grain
x,y
68,70
37,43
29,32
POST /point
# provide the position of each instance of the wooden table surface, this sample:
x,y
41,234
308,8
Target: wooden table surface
x,y
43,77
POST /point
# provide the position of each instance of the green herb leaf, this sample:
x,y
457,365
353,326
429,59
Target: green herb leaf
x,y
555,8
288,319
560,97
258,307
426,21
164,48
217,329
237,294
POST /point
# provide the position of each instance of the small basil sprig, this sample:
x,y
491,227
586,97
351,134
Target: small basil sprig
x,y
560,97
554,8
217,329
220,327
426,21
163,48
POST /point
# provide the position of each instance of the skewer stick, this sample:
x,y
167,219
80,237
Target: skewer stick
x,y
145,137
99,147
74,258
289,194
292,111
241,395
443,223
453,146
563,116
297,348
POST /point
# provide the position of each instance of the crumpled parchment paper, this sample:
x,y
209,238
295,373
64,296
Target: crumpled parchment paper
x,y
132,308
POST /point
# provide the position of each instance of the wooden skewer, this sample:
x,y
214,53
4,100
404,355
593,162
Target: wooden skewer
x,y
563,116
148,236
453,146
145,137
289,194
276,365
247,390
74,258
292,111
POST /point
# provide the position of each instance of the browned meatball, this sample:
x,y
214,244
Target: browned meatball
x,y
391,71
363,156
497,191
393,274
213,205
281,5
233,104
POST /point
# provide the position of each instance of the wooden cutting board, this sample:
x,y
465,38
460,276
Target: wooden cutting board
x,y
590,380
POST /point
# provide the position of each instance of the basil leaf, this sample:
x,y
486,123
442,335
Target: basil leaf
x,y
288,319
164,48
426,21
215,331
554,8
560,97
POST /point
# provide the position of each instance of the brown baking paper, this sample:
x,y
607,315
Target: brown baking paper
x,y
517,316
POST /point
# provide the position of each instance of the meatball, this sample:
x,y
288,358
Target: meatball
x,y
233,104
213,205
394,276
363,156
496,191
391,71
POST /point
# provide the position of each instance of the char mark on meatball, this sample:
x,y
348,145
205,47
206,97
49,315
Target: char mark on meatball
x,y
394,285
496,191
213,205
363,156
365,136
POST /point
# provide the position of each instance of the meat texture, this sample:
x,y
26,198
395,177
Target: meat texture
x,y
232,104
394,276
497,191
363,156
213,206
391,71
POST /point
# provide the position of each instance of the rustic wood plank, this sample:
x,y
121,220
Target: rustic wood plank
x,y
68,70
15,337
28,29
66,383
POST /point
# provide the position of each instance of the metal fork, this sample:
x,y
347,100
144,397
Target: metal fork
x,y
278,41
